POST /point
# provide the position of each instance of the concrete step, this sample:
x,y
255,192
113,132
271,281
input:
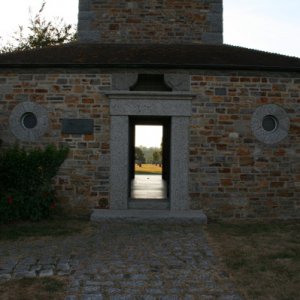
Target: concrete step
x,y
149,216
148,204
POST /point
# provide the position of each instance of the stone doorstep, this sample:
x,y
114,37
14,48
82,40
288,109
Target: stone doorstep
x,y
146,204
149,216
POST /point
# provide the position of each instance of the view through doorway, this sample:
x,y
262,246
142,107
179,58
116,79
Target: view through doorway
x,y
149,178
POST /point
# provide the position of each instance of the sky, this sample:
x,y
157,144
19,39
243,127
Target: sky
x,y
268,25
148,136
17,12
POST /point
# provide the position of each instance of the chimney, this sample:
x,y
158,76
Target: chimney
x,y
150,21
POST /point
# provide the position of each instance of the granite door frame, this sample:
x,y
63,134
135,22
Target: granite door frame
x,y
176,106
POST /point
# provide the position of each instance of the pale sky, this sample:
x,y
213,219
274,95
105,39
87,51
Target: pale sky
x,y
269,25
148,136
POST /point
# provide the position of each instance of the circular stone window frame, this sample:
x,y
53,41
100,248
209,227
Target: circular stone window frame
x,y
282,120
16,121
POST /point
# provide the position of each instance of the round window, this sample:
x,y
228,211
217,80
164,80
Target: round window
x,y
29,120
270,123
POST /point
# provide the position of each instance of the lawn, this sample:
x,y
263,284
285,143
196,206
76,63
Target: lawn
x,y
53,287
262,259
148,169
59,226
50,288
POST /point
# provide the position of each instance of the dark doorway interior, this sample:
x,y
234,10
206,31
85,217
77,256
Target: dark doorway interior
x,y
147,186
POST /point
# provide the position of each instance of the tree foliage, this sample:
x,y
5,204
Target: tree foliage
x,y
148,153
139,156
40,33
157,157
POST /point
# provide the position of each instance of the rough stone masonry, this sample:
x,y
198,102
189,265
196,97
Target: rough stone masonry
x,y
243,135
153,21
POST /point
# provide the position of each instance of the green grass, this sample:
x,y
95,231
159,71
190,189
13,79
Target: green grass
x,y
148,169
52,228
263,258
34,289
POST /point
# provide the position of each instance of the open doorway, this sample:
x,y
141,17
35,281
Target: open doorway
x,y
149,158
173,112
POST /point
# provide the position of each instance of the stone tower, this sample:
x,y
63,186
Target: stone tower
x,y
150,21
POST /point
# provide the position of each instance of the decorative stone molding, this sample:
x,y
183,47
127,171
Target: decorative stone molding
x,y
123,81
28,121
178,82
270,124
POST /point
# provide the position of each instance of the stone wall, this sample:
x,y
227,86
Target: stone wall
x,y
232,174
83,180
153,21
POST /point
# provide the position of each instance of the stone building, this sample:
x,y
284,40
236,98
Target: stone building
x,y
230,115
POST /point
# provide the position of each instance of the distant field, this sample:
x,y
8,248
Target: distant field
x,y
148,169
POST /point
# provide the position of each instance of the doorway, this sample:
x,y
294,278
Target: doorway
x,y
172,111
149,159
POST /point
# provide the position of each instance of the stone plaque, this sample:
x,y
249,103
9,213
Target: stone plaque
x,y
77,126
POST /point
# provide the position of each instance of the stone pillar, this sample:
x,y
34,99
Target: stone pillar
x,y
179,163
119,162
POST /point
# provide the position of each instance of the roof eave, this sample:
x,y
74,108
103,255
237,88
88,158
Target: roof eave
x,y
152,66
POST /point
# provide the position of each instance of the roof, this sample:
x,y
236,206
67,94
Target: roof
x,y
150,56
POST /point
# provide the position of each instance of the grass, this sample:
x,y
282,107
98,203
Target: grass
x,y
50,228
34,289
148,169
39,288
262,259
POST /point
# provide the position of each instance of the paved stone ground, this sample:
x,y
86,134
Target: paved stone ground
x,y
123,261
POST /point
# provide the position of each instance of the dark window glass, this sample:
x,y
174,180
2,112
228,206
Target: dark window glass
x,y
269,123
29,120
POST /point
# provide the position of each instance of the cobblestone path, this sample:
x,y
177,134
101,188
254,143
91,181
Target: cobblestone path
x,y
123,261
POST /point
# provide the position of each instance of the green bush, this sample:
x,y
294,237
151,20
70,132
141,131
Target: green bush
x,y
26,191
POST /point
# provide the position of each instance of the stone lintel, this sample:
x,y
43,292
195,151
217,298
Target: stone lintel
x,y
150,108
144,95
125,103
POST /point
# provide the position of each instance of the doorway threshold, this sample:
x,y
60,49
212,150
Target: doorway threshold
x,y
149,216
148,187
149,204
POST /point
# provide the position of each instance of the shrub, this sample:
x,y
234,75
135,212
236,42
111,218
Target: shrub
x,y
25,182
